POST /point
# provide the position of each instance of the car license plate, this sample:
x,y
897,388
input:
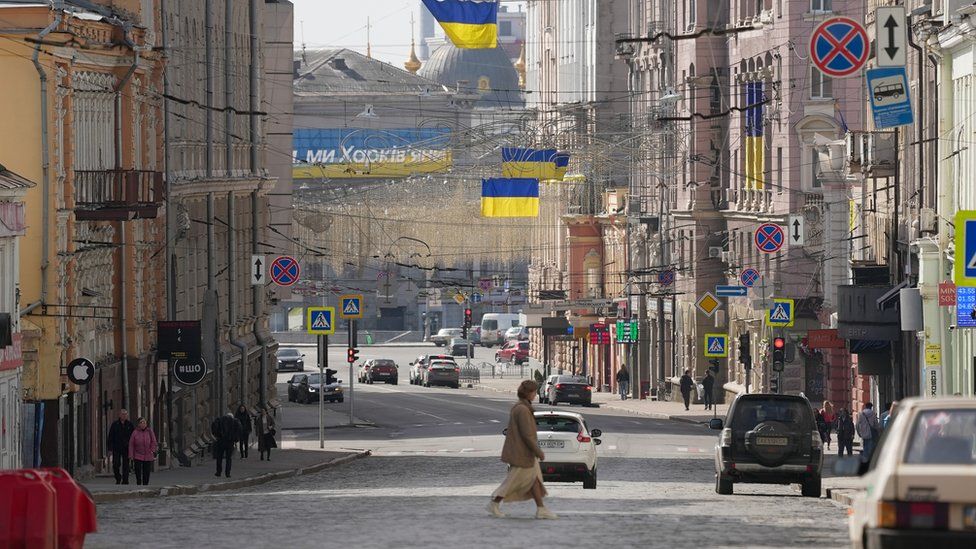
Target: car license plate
x,y
771,441
552,444
969,517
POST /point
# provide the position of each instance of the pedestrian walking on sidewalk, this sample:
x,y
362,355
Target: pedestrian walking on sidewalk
x,y
869,430
522,454
228,431
687,384
118,443
142,450
829,417
623,381
708,385
244,417
844,426
264,430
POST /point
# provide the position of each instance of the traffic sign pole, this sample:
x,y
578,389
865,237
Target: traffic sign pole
x,y
323,366
352,365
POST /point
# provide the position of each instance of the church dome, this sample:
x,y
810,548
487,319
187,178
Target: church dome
x,y
488,72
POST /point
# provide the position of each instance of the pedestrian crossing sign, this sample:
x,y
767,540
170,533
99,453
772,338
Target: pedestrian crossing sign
x,y
965,265
716,345
351,306
320,320
781,314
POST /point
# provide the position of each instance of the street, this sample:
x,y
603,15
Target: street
x,y
434,463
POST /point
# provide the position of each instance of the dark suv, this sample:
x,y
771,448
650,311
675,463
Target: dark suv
x,y
769,439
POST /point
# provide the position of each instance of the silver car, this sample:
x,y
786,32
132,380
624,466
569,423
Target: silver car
x,y
442,372
444,335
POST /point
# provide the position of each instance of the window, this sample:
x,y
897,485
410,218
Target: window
x,y
814,168
821,6
821,85
504,28
779,170
943,437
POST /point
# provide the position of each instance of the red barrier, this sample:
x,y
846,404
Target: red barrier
x,y
28,511
75,508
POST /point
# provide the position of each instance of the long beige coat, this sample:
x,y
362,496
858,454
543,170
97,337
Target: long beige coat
x,y
521,441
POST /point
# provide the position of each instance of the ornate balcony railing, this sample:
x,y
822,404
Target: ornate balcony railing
x,y
106,195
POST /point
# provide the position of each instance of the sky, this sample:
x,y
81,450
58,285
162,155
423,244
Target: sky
x,y
342,24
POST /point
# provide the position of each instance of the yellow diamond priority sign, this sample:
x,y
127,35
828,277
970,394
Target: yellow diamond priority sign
x,y
708,304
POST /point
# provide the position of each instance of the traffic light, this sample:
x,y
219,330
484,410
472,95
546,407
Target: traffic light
x,y
467,317
779,354
745,352
330,376
352,355
774,385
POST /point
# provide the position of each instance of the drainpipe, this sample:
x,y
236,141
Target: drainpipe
x,y
123,302
254,104
228,91
58,9
257,307
232,292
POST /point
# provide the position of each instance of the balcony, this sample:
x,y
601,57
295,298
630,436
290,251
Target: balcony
x,y
117,195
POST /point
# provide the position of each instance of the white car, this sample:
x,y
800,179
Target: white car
x,y
544,389
444,335
920,487
570,448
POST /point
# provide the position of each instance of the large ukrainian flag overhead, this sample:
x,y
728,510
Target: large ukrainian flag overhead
x,y
470,24
531,163
755,143
507,197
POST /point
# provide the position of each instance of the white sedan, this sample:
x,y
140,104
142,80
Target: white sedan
x,y
570,448
920,488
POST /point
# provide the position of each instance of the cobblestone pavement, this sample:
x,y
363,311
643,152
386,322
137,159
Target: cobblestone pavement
x,y
439,501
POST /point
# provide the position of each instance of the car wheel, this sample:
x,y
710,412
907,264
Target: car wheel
x,y
342,400
456,386
811,488
589,481
394,382
723,485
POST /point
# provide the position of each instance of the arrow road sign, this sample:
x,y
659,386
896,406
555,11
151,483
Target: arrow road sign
x,y
839,47
798,230
257,270
892,34
731,291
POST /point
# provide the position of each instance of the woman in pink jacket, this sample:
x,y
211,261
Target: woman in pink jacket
x,y
142,450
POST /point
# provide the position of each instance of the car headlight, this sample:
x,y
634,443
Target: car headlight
x,y
312,389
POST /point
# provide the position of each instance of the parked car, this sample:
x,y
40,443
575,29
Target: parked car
x,y
571,390
293,385
474,335
442,372
290,359
570,448
308,390
517,333
544,389
444,335
922,480
418,368
382,369
461,347
769,439
513,351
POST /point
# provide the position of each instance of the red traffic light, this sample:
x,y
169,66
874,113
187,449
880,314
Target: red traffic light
x,y
779,343
467,312
352,355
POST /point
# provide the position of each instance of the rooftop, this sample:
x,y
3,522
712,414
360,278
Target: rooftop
x,y
344,71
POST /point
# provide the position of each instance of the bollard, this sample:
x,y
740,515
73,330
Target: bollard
x,y
28,511
75,508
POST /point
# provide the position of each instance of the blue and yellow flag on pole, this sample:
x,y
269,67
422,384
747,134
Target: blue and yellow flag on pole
x,y
470,24
562,165
755,143
530,163
506,197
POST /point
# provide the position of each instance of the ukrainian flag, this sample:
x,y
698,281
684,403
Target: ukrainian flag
x,y
531,163
470,24
755,143
562,165
510,197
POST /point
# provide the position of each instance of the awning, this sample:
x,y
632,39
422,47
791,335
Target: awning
x,y
890,298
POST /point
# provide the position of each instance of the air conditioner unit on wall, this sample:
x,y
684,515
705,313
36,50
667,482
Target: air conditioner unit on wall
x,y
714,252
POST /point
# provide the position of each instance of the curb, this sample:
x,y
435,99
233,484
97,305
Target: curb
x,y
189,490
610,406
843,496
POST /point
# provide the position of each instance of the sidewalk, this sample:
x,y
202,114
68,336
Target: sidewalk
x,y
200,477
673,411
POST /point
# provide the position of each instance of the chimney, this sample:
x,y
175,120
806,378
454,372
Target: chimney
x,y
339,64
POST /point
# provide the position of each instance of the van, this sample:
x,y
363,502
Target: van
x,y
494,326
